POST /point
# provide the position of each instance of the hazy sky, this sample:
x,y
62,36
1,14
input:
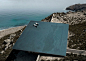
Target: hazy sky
x,y
10,5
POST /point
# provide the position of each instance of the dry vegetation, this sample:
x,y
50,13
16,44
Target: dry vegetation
x,y
8,51
78,41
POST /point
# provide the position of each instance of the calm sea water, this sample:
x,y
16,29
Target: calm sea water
x,y
13,19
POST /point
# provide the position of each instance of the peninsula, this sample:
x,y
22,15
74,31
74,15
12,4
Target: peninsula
x,y
77,7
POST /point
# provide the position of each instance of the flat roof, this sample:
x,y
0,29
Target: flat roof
x,y
47,37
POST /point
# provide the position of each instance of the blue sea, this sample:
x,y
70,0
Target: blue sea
x,y
20,18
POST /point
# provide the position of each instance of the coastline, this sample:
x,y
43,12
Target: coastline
x,y
11,27
5,32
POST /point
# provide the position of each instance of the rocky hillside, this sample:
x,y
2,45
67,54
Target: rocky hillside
x,y
7,42
77,28
77,7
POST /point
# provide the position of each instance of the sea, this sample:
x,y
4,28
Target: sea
x,y
20,18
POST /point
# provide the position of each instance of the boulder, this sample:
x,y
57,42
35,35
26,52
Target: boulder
x,y
7,44
12,35
7,40
2,52
6,48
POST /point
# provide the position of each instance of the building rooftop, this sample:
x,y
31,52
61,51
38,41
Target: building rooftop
x,y
46,37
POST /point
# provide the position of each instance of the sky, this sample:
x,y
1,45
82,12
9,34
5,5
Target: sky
x,y
34,5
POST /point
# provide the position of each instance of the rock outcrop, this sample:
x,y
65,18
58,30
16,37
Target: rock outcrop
x,y
47,19
70,18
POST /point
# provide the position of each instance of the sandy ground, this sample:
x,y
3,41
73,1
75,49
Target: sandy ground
x,y
10,30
